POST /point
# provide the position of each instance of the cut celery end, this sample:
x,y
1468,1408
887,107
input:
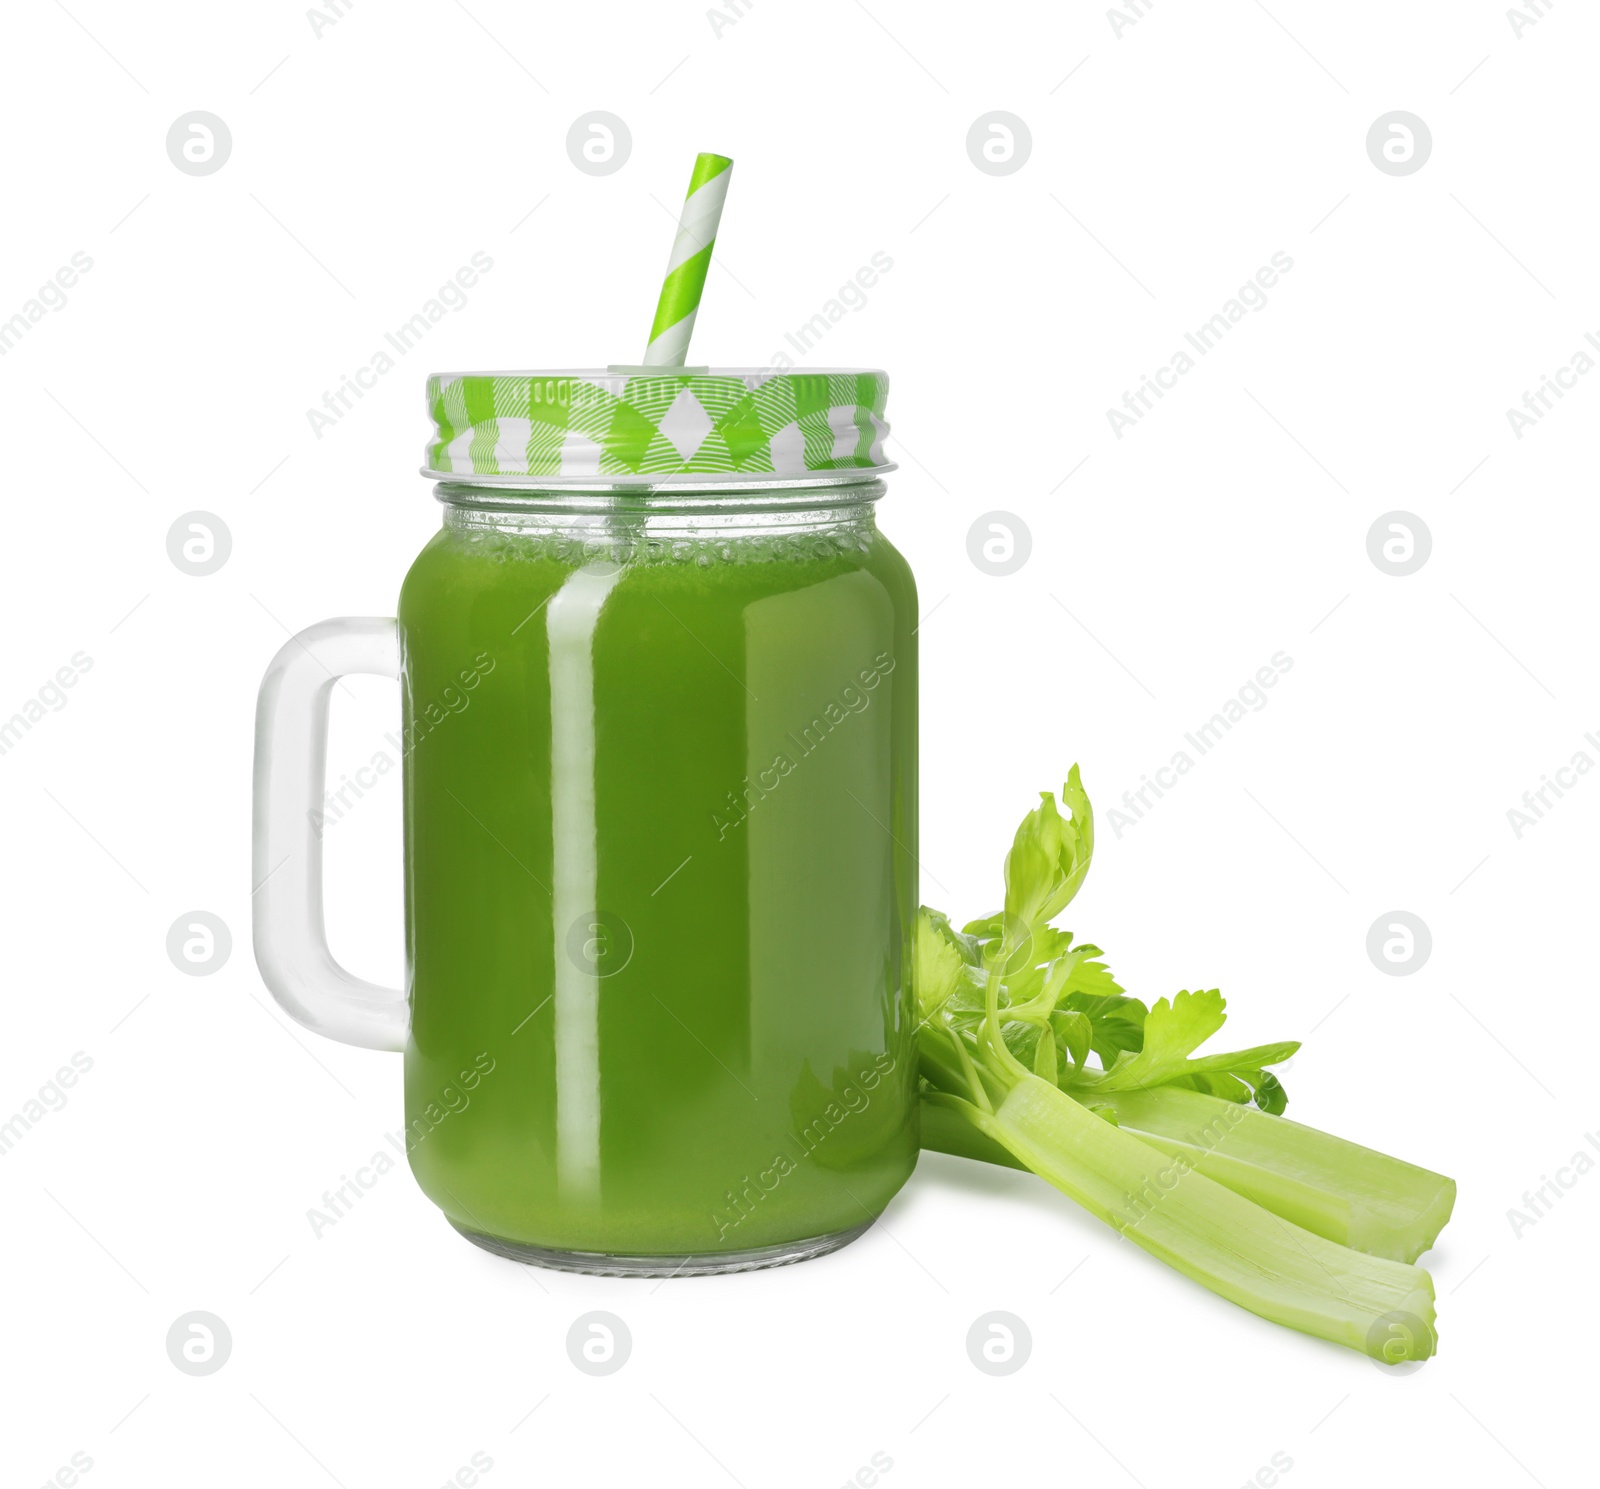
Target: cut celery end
x,y
1340,1190
947,1131
1224,1241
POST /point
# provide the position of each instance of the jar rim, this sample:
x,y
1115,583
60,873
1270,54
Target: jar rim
x,y
538,494
728,481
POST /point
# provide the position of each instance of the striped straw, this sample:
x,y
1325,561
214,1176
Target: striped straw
x,y
691,257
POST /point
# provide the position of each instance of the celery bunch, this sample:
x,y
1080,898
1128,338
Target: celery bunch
x,y
1186,1154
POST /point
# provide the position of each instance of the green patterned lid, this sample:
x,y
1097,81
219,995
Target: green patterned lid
x,y
654,425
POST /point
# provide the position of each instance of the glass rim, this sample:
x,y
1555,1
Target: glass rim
x,y
525,493
699,481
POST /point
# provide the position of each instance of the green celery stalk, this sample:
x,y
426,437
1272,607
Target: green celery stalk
x,y
1247,1204
1338,1189
1236,1248
947,1131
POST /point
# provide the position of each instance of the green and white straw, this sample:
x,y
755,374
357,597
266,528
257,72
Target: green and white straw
x,y
691,257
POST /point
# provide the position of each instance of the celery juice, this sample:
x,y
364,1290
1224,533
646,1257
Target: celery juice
x,y
660,878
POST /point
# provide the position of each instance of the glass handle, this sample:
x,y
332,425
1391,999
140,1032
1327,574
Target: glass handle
x,y
291,941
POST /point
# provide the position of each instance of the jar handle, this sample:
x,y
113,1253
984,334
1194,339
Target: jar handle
x,y
291,941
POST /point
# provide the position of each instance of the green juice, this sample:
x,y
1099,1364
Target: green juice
x,y
660,877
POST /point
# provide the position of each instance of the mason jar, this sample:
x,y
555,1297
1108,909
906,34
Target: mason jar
x,y
659,711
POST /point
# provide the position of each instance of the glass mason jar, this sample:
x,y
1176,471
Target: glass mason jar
x,y
658,684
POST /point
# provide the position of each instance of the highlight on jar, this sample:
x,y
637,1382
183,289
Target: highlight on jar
x,y
672,1002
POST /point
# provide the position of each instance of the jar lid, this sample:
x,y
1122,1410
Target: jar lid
x,y
657,425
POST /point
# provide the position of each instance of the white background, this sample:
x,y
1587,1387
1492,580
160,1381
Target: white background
x,y
367,165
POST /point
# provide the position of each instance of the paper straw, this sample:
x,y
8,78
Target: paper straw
x,y
691,257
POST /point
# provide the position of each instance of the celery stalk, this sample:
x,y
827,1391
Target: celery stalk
x,y
1236,1248
1155,1138
947,1131
1336,1189
1340,1190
